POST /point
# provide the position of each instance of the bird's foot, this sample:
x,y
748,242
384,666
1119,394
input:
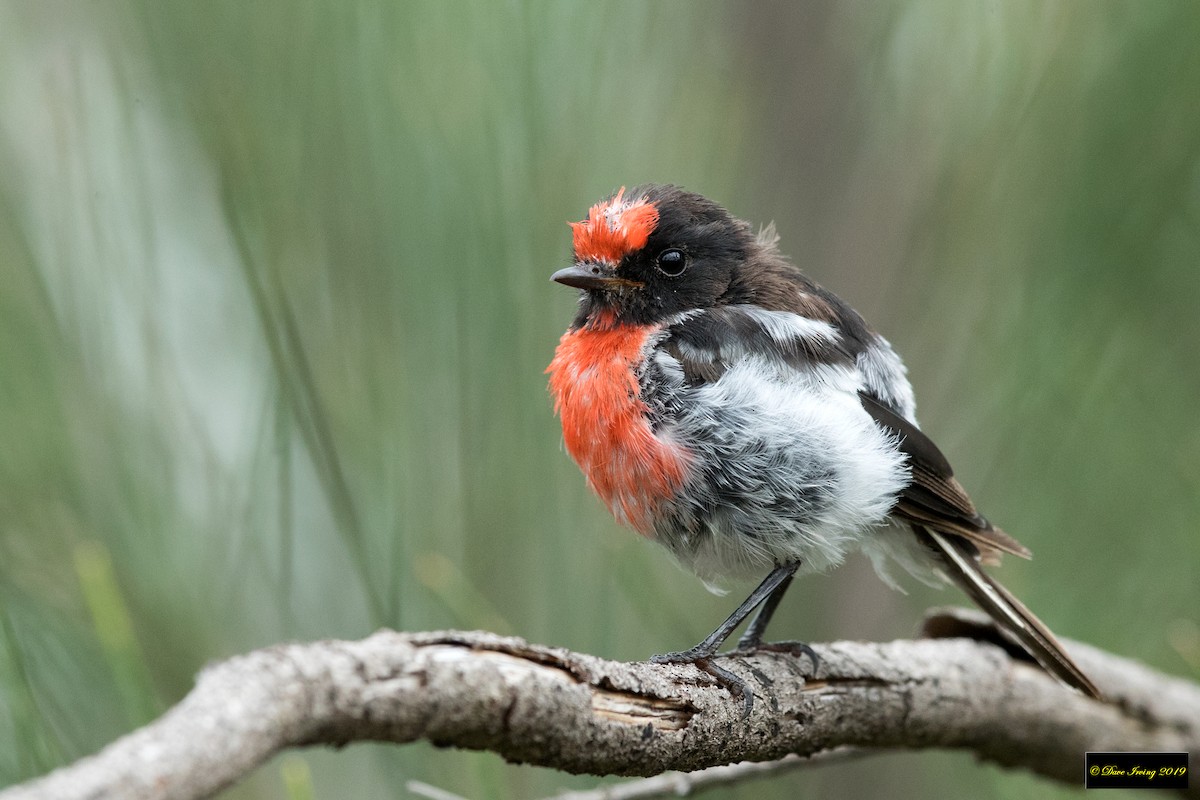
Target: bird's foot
x,y
750,645
701,658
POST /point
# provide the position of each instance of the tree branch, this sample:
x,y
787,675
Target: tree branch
x,y
583,714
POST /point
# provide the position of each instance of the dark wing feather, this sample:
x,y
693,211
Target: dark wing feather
x,y
945,520
935,498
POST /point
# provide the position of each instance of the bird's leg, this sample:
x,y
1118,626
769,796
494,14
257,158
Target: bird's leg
x,y
770,590
781,575
752,639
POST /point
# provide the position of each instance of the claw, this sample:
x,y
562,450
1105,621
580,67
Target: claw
x,y
748,646
732,683
724,678
689,656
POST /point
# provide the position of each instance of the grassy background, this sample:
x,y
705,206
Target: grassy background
x,y
274,311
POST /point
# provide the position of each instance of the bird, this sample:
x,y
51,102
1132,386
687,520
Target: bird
x,y
723,404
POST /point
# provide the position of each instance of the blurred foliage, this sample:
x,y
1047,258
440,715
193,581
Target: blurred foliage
x,y
275,311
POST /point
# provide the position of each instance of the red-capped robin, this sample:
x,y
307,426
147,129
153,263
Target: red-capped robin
x,y
725,405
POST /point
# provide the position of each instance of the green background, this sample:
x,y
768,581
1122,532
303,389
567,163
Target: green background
x,y
274,312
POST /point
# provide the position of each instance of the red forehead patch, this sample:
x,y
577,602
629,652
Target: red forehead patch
x,y
614,228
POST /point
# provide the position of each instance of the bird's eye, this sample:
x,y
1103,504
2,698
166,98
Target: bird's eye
x,y
671,262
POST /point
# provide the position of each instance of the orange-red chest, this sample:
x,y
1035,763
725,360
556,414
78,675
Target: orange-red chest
x,y
605,424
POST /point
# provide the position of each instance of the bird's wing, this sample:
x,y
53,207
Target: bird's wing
x,y
945,520
934,498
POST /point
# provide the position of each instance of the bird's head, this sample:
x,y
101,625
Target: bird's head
x,y
644,255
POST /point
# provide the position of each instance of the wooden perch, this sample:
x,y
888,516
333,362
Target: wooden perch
x,y
579,713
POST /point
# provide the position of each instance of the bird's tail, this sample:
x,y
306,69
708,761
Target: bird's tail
x,y
1017,620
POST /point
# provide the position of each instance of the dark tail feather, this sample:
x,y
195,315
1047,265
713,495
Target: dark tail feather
x,y
1007,610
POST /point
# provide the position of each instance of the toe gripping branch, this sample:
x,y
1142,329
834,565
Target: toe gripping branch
x,y
767,594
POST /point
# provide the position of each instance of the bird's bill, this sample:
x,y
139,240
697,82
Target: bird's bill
x,y
591,275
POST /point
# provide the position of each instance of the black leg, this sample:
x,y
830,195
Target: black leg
x,y
712,643
753,637
770,590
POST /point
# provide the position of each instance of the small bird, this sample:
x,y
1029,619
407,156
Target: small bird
x,y
723,404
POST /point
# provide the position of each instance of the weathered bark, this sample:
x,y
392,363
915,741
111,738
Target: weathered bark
x,y
579,713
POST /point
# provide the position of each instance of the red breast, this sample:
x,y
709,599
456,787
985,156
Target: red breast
x,y
606,426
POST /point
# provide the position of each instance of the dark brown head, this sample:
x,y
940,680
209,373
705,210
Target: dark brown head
x,y
655,251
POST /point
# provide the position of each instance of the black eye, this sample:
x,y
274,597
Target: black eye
x,y
671,262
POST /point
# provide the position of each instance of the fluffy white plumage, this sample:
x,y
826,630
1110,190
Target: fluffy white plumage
x,y
804,473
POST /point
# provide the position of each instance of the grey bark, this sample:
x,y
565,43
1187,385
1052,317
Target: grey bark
x,y
579,713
